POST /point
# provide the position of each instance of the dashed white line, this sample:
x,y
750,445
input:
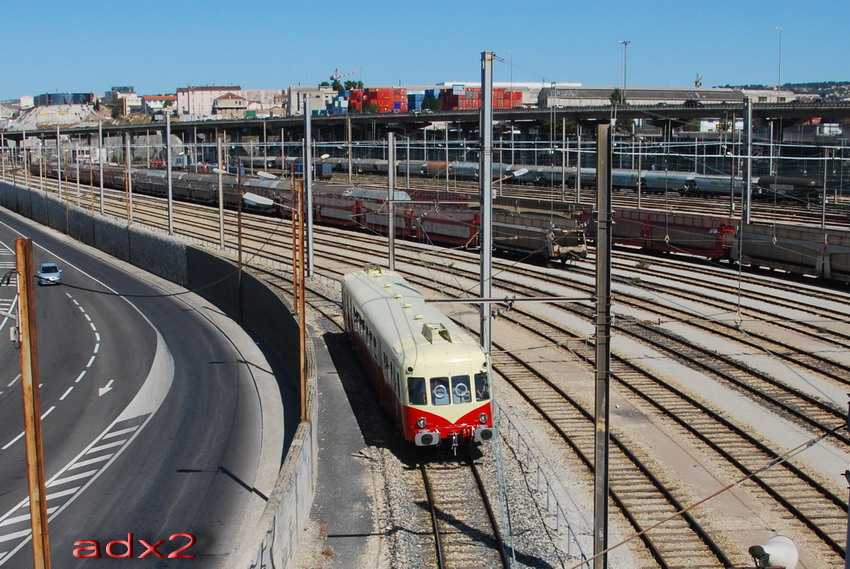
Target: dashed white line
x,y
80,377
67,392
91,361
20,435
13,441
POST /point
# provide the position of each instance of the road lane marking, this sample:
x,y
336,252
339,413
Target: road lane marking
x,y
91,461
67,392
106,446
13,441
15,524
71,478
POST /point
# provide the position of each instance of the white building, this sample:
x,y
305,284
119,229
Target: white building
x,y
320,98
199,101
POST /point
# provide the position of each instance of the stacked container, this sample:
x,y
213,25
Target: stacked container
x,y
385,99
414,101
355,100
339,103
470,99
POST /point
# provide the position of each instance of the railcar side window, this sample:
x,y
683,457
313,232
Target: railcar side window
x,y
440,391
460,389
482,387
416,391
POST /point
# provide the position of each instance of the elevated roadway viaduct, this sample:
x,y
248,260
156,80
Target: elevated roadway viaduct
x,y
375,126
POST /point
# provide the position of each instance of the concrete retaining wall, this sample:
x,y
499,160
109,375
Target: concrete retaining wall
x,y
249,301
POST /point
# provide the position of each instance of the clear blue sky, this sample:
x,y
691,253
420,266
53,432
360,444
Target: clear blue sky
x,y
89,46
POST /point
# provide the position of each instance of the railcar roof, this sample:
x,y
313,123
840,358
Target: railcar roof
x,y
375,194
398,312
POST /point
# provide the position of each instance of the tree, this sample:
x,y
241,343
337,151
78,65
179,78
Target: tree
x,y
558,126
691,126
431,102
618,97
349,85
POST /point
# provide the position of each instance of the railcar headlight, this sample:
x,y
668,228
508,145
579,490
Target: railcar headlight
x,y
420,422
482,418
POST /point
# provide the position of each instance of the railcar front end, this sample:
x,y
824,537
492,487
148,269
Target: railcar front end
x,y
430,375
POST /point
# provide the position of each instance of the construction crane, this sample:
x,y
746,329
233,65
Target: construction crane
x,y
337,76
698,81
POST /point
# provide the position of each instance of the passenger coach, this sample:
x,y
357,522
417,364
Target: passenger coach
x,y
430,375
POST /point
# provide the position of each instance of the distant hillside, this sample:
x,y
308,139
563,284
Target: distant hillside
x,y
826,90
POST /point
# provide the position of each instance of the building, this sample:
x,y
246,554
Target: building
x,y
157,104
197,102
320,98
128,103
558,97
111,96
530,91
230,106
48,99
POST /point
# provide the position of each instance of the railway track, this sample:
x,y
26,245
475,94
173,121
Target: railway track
x,y
807,499
818,509
464,524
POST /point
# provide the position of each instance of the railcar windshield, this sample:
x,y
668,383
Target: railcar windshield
x,y
482,387
460,389
456,389
440,391
416,391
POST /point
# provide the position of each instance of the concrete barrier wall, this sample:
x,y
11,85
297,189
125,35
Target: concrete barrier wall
x,y
248,300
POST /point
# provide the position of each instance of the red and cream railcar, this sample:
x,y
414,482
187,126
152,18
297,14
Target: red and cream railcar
x,y
430,375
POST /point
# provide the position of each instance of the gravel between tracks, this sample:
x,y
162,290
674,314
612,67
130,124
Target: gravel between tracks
x,y
737,516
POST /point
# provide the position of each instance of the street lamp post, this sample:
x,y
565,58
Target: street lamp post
x,y
625,44
779,61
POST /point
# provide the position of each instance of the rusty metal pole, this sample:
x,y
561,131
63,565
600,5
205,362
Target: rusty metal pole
x,y
295,215
302,313
32,405
239,235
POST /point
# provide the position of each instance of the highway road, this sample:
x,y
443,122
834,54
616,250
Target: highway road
x,y
152,422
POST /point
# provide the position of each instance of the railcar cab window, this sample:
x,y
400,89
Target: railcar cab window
x,y
440,391
460,389
416,391
482,387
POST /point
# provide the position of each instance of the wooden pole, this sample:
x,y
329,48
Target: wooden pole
x,y
32,406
